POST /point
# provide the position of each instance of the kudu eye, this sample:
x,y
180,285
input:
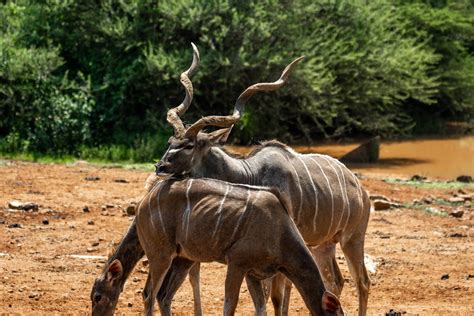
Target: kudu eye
x,y
97,297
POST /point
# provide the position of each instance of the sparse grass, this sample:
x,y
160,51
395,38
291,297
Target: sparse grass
x,y
434,211
427,209
45,159
4,163
431,184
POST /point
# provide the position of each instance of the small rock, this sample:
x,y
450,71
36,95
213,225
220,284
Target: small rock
x,y
445,276
34,295
464,178
130,304
457,213
109,206
17,205
466,197
417,177
89,249
378,197
427,200
380,205
468,276
45,221
92,178
145,262
95,244
457,235
131,210
14,225
120,181
86,209
135,279
90,222
456,200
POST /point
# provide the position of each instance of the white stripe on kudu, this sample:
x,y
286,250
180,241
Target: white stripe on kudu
x,y
298,213
345,197
294,212
158,209
330,192
314,189
340,186
219,212
243,214
187,211
157,185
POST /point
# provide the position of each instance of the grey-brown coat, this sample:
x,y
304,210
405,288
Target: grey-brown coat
x,y
245,227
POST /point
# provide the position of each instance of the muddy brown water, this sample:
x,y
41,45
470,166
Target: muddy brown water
x,y
434,158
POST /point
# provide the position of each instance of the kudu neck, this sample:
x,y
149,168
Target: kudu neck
x,y
129,251
217,164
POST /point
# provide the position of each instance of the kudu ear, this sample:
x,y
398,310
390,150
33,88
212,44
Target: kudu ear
x,y
220,136
331,304
114,271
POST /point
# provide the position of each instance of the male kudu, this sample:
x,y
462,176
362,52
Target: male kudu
x,y
246,227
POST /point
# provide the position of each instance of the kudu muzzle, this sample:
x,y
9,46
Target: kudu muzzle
x,y
161,168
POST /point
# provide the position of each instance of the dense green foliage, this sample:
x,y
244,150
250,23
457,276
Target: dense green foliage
x,y
95,78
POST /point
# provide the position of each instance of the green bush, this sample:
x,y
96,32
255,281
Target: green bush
x,y
95,78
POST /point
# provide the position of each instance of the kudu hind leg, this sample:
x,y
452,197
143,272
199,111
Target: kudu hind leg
x,y
325,257
354,252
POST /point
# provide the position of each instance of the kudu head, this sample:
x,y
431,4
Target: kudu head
x,y
106,289
189,145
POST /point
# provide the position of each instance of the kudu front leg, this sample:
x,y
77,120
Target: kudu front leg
x,y
194,278
257,293
173,280
325,257
158,269
354,252
233,281
280,294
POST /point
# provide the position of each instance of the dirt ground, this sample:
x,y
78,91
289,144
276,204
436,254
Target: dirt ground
x,y
425,262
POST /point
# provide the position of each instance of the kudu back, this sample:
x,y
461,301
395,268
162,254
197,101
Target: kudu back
x,y
245,227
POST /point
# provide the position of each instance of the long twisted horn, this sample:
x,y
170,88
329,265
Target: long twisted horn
x,y
173,115
226,121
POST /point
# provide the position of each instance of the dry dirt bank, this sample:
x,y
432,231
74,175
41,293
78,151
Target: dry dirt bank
x,y
40,275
